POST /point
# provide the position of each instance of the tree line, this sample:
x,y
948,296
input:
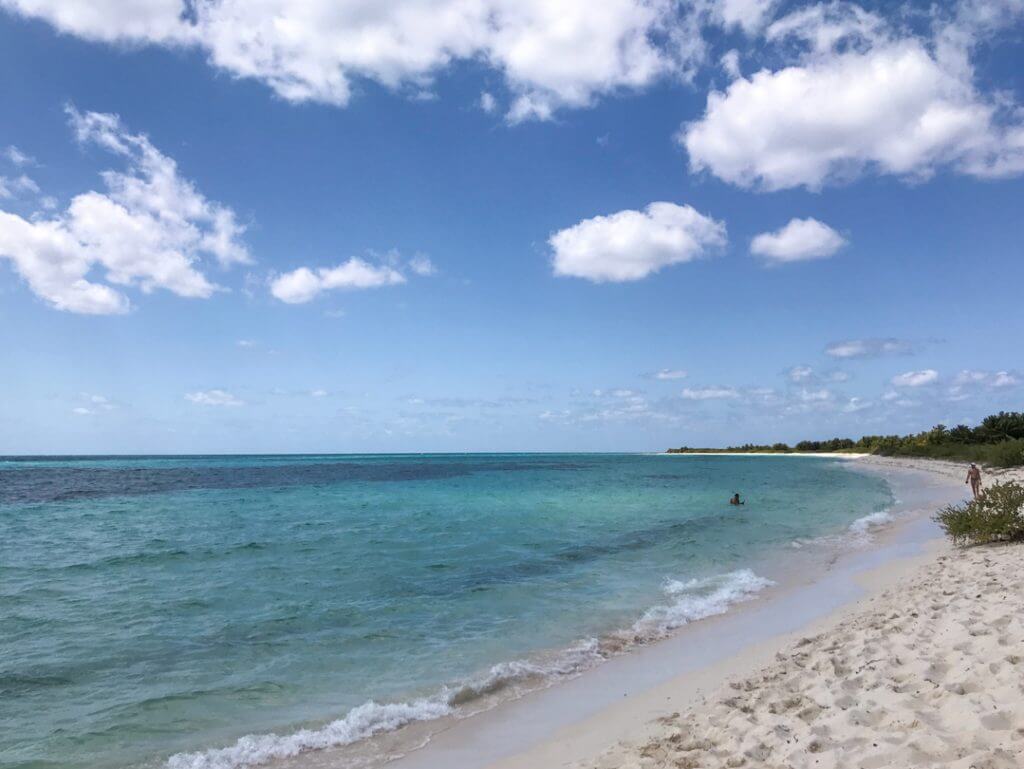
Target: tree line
x,y
998,440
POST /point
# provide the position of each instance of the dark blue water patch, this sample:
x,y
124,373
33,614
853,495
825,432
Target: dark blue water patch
x,y
35,485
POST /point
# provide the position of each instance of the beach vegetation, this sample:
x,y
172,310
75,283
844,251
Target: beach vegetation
x,y
996,515
998,441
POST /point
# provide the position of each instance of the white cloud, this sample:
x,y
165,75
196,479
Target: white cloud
x,y
856,404
214,398
150,229
815,396
916,378
318,393
630,245
81,410
95,401
800,240
730,63
868,348
20,185
709,393
800,373
994,379
1004,379
824,26
668,373
17,157
421,265
551,54
304,284
748,15
488,103
246,343
859,100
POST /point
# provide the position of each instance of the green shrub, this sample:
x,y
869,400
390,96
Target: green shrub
x,y
996,515
1005,454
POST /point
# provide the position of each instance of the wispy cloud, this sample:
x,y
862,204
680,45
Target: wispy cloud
x,y
669,374
869,348
708,393
916,378
17,157
214,398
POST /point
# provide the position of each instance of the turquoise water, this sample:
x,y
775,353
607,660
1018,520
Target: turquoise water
x,y
153,611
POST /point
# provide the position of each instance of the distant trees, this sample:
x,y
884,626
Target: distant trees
x,y
998,440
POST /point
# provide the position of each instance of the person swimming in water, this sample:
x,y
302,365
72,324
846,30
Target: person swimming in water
x,y
736,499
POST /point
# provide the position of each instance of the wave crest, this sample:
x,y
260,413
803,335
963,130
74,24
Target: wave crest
x,y
692,600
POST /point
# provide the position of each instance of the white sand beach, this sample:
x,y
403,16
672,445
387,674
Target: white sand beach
x,y
911,654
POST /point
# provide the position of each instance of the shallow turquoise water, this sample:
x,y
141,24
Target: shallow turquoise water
x,y
153,608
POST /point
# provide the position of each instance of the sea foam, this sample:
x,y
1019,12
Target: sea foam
x,y
696,599
863,526
358,724
691,600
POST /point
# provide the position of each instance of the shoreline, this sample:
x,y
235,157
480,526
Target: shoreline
x,y
575,711
821,454
575,721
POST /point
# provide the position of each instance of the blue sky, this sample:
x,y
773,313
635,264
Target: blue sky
x,y
481,225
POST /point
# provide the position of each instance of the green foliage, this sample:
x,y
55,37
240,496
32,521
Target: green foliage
x,y
1005,454
998,441
1004,426
996,515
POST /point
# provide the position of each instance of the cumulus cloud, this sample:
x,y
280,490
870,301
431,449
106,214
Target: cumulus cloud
x,y
860,99
150,229
869,348
709,393
551,54
630,245
488,103
800,240
304,284
214,398
916,378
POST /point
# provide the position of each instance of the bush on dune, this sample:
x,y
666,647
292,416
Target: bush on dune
x,y
997,515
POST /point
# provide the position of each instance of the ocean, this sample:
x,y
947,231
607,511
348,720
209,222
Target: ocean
x,y
223,612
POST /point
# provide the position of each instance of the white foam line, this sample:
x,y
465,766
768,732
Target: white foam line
x,y
692,600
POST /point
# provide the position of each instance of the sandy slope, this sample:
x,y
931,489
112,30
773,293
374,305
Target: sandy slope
x,y
929,673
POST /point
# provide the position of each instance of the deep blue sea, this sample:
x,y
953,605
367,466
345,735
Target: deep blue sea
x,y
221,612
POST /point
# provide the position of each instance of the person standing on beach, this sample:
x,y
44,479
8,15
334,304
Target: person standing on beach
x,y
974,478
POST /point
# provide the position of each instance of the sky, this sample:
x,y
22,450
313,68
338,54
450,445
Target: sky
x,y
487,225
